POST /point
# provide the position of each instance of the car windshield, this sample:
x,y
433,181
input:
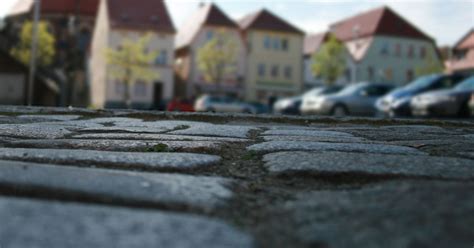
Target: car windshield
x,y
314,92
467,84
422,82
351,89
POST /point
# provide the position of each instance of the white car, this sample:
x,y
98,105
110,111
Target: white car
x,y
208,103
311,99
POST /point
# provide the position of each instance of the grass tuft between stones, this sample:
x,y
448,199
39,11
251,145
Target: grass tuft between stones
x,y
159,148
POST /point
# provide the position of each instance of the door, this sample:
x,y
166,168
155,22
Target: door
x,y
158,102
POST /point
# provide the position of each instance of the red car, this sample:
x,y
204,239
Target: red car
x,y
180,105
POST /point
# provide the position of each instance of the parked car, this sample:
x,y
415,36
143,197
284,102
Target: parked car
x,y
471,105
447,103
355,99
181,105
260,108
288,106
397,102
208,103
310,97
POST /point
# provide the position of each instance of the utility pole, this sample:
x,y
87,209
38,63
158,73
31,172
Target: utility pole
x,y
34,47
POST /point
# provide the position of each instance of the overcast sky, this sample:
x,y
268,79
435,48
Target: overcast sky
x,y
444,20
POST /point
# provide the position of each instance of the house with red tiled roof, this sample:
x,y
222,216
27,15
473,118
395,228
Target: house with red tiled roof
x,y
384,46
462,60
118,20
71,22
202,26
273,56
312,44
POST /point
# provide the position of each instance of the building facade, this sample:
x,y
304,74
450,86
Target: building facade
x,y
384,47
208,22
131,19
462,55
273,56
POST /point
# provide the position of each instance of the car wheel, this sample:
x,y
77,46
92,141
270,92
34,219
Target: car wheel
x,y
464,111
212,110
339,111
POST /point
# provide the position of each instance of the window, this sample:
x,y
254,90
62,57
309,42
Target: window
x,y
388,74
370,73
284,44
422,52
398,50
411,51
288,72
209,35
162,58
276,44
275,71
261,70
384,49
267,42
140,88
409,76
119,87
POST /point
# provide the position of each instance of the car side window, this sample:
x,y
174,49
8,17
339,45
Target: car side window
x,y
375,91
445,82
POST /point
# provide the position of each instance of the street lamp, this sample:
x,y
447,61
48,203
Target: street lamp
x,y
34,47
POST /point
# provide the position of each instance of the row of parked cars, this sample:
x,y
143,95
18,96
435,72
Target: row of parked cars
x,y
437,95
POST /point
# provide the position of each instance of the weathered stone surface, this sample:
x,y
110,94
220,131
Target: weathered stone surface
x,y
314,133
120,124
274,146
148,136
51,117
398,214
336,139
133,160
32,223
370,164
39,131
116,185
217,130
116,145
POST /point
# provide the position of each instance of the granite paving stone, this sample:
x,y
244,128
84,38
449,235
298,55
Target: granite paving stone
x,y
370,164
133,160
34,223
116,185
315,133
37,131
217,130
275,146
148,136
395,214
51,117
337,139
116,145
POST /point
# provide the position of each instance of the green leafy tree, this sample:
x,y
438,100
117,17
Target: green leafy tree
x,y
45,51
217,58
131,62
329,61
430,66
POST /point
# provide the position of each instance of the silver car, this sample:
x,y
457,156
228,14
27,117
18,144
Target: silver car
x,y
208,103
354,99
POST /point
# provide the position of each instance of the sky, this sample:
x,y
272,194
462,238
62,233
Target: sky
x,y
445,20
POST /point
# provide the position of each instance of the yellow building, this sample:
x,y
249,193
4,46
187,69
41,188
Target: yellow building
x,y
273,56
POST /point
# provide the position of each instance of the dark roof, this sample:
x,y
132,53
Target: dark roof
x,y
313,42
265,20
206,14
466,42
143,15
65,7
380,21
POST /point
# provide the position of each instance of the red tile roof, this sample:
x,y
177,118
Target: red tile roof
x,y
265,20
380,21
207,14
466,42
142,15
313,42
65,7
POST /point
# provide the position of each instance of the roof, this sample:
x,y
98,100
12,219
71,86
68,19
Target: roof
x,y
265,20
380,21
206,15
145,15
466,42
66,7
313,42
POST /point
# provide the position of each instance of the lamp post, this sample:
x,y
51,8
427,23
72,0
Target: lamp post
x,y
355,35
34,47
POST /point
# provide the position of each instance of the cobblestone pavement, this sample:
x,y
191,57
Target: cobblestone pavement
x,y
84,178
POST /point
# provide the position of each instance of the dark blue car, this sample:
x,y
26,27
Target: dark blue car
x,y
397,102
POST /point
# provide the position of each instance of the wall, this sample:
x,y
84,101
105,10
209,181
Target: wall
x,y
12,88
259,88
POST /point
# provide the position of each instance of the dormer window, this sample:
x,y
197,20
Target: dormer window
x,y
125,17
154,18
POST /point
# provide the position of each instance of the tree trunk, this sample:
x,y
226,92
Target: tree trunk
x,y
127,82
